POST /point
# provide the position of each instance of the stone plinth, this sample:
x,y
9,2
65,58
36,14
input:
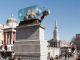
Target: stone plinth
x,y
28,44
28,32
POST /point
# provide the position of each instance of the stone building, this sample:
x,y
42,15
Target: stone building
x,y
9,33
1,36
64,46
54,43
75,43
7,37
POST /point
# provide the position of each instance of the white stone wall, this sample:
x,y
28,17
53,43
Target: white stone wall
x,y
41,33
10,47
64,44
50,50
12,25
1,34
43,50
43,45
54,51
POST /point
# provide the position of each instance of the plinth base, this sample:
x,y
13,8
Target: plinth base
x,y
27,22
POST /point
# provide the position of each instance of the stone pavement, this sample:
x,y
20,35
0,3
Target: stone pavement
x,y
71,58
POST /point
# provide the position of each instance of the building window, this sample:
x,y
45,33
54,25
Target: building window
x,y
55,44
48,55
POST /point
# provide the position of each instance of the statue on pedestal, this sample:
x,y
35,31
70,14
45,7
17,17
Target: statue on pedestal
x,y
33,14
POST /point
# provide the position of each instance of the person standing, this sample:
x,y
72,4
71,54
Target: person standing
x,y
65,56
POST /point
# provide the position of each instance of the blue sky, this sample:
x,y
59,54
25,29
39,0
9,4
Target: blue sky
x,y
67,13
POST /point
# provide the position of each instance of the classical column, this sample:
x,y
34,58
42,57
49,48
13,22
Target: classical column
x,y
12,37
4,43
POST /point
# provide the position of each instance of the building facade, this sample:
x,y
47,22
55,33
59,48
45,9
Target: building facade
x,y
54,43
8,34
75,43
1,36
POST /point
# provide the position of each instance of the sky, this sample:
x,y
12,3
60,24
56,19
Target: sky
x,y
66,12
